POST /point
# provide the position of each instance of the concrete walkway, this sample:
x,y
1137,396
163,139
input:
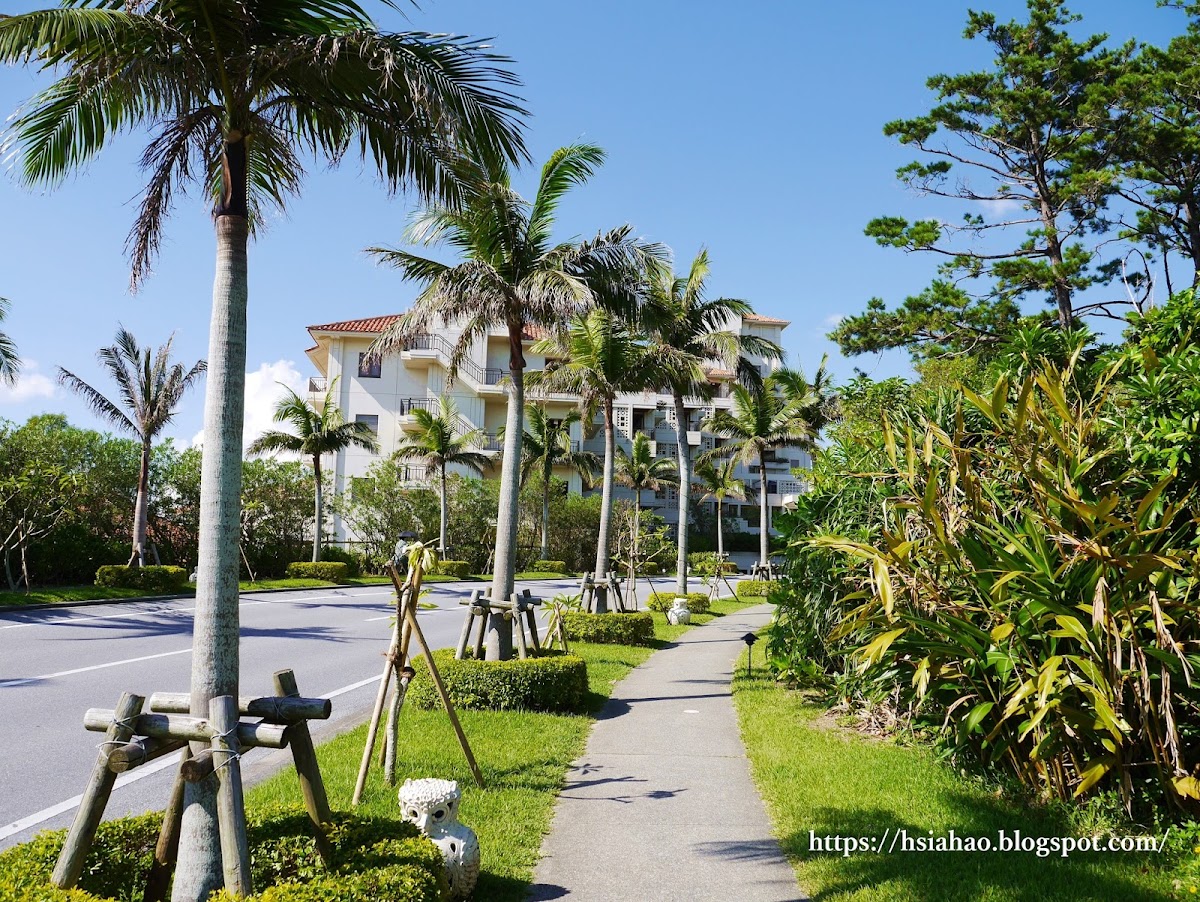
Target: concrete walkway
x,y
661,805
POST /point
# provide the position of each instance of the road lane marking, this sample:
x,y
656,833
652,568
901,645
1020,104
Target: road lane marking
x,y
21,681
146,770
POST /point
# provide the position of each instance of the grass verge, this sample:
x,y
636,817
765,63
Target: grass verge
x,y
818,777
524,758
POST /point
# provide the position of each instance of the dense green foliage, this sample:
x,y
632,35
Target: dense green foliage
x,y
662,602
549,566
457,569
755,588
1016,569
375,858
333,571
151,578
550,681
609,629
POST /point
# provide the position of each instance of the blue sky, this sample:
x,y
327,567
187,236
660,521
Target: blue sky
x,y
751,128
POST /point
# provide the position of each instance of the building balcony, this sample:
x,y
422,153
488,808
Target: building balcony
x,y
406,409
317,385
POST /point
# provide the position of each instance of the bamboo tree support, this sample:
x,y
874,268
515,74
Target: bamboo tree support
x,y
231,807
312,787
166,851
403,675
385,747
377,712
95,797
473,610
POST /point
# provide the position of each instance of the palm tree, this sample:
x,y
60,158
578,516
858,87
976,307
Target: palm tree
x,y
149,388
438,442
317,433
688,332
641,471
785,412
236,94
546,445
716,481
513,277
10,363
599,358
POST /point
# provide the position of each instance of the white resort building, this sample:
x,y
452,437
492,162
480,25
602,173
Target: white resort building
x,y
383,393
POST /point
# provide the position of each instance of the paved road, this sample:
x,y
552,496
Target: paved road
x,y
55,664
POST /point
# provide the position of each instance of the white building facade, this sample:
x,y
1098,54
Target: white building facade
x,y
383,393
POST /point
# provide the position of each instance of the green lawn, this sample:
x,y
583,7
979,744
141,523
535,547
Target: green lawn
x,y
816,776
64,594
524,758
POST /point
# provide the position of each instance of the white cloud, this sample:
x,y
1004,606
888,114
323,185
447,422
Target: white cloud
x,y
833,319
1000,209
31,384
263,390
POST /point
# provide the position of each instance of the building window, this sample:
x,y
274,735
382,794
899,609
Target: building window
x,y
369,367
371,419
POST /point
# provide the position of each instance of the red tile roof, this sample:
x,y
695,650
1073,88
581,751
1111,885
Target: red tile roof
x,y
372,324
715,373
765,320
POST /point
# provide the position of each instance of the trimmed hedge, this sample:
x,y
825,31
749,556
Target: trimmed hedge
x,y
662,602
550,681
352,561
756,588
457,569
548,567
330,571
648,568
609,629
374,858
152,578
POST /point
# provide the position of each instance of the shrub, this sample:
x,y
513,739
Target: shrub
x,y
648,568
697,602
548,567
331,571
550,681
352,561
153,579
755,588
704,563
457,569
610,629
375,858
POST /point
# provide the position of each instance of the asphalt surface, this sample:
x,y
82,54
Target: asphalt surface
x,y
55,664
661,806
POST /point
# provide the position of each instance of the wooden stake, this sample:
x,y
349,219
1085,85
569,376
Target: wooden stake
x,y
376,714
231,808
132,754
198,768
312,787
166,852
518,623
95,797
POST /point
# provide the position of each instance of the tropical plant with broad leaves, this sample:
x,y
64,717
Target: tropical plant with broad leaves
x,y
10,363
150,388
787,411
688,333
598,358
547,445
717,480
515,277
440,440
317,432
235,93
639,469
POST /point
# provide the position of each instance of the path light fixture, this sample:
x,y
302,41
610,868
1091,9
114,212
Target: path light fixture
x,y
749,639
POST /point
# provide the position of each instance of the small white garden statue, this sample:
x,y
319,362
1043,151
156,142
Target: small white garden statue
x,y
432,805
679,613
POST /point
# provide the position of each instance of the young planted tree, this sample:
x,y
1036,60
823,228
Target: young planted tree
x,y
317,433
686,333
717,481
642,471
597,359
546,445
235,94
438,442
783,413
10,363
1031,141
515,278
150,388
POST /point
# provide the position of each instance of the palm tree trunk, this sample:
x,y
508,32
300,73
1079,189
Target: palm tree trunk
x,y
720,538
318,504
444,514
606,503
141,509
545,516
685,494
764,513
499,634
215,633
